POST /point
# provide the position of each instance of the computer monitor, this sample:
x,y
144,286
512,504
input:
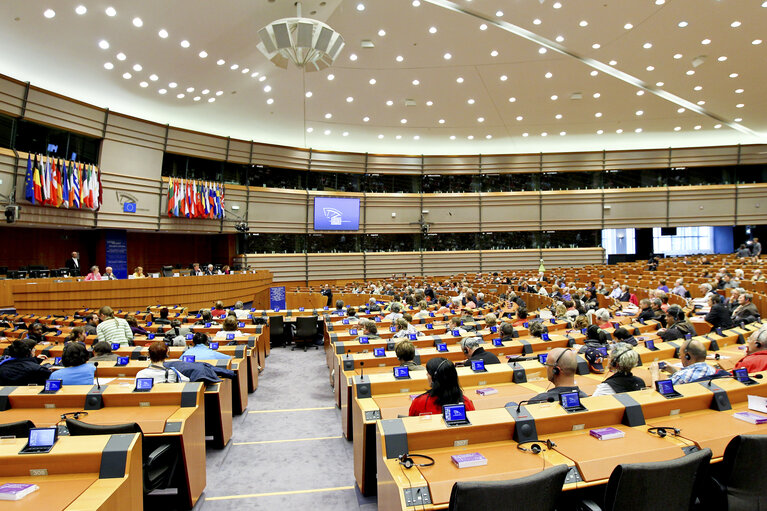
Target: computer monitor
x,y
167,271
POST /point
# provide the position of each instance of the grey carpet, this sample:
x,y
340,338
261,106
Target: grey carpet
x,y
292,379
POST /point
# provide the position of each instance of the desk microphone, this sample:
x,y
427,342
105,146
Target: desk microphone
x,y
534,401
96,366
362,371
349,353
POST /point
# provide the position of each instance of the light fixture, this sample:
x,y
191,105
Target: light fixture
x,y
163,33
49,13
309,44
110,11
81,9
104,44
138,22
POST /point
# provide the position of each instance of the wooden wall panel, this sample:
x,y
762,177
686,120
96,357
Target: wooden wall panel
x,y
445,263
386,264
635,207
702,205
452,212
135,132
335,266
392,164
11,96
280,211
239,151
572,209
752,204
504,260
53,110
196,144
285,267
512,211
378,209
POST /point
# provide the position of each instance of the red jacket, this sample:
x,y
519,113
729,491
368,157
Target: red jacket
x,y
754,362
426,404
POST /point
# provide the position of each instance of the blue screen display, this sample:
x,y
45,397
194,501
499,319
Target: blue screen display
x,y
229,337
352,331
477,365
545,336
189,337
497,342
494,329
336,214
150,336
429,326
542,358
115,346
344,321
42,437
122,361
144,383
57,361
53,385
401,372
364,340
570,400
456,333
213,345
741,374
412,337
454,413
649,344
392,329
442,347
664,387
379,352
602,351
187,358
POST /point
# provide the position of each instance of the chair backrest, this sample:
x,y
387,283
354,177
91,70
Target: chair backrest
x,y
635,485
18,429
79,428
276,325
538,492
306,326
743,466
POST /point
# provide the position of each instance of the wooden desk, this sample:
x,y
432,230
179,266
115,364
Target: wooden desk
x,y
89,487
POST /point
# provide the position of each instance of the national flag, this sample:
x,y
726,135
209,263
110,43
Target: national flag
x,y
38,183
58,181
45,181
29,181
212,200
170,196
205,201
95,188
76,185
189,199
65,170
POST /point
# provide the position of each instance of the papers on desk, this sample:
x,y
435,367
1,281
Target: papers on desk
x,y
757,403
607,433
104,381
16,491
474,459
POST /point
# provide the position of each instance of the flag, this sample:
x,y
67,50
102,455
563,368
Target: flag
x,y
76,186
189,198
44,189
170,196
95,188
65,169
38,183
177,197
29,181
58,196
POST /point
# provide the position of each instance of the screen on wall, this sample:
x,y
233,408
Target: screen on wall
x,y
335,214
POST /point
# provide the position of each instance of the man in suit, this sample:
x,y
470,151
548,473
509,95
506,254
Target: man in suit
x,y
196,270
210,271
73,264
108,275
326,291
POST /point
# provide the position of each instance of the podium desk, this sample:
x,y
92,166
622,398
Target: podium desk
x,y
80,474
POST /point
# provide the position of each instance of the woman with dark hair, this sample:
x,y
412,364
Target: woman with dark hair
x,y
76,335
444,389
205,317
719,316
76,371
158,352
23,367
134,326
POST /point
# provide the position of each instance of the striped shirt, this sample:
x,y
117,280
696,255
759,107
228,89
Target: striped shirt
x,y
115,330
692,372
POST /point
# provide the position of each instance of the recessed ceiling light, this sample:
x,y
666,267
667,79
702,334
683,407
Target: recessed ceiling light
x,y
678,56
138,22
483,27
639,112
536,21
722,58
197,98
562,133
628,26
554,97
254,74
756,42
184,44
697,127
557,5
690,72
706,41
127,76
738,91
733,75
488,137
432,30
512,99
459,79
172,85
219,92
331,77
470,101
81,9
499,14
399,58
480,119
737,119
638,130
701,102
640,93
559,39
677,128
144,84
619,131
269,101
389,102
211,100
309,129
548,75
416,3
596,46
659,84
558,116
110,11
504,78
660,2
599,132
398,137
345,134
204,92
544,134
137,67
49,13
735,24
650,68
447,56
190,89
365,119
682,24
416,82
494,53
108,65
180,95
598,114
353,57
220,62
104,44
717,126
680,110
416,137
697,87
594,73
234,66
121,56
372,81
162,91
470,137
203,54
441,121
349,99
268,88
520,118
328,115
740,105
154,77
542,50
597,95
163,33
583,23
360,7
380,136
647,46
452,137
429,103
525,134
403,121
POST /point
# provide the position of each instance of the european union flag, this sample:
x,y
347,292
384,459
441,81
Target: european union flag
x,y
29,184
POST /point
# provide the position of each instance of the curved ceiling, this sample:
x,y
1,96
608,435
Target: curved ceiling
x,y
521,75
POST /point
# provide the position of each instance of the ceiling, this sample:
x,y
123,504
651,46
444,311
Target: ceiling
x,y
623,74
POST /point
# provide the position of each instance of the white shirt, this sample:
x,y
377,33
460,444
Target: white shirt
x,y
158,375
221,334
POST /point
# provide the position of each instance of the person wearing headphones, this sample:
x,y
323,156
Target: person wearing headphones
x,y
561,364
694,366
443,389
756,354
158,352
678,326
718,316
472,349
623,359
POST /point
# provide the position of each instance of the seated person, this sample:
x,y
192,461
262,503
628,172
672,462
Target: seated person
x,y
622,335
443,308
158,352
678,326
76,335
218,309
91,322
718,316
603,318
134,326
94,274
561,365
339,307
373,305
694,366
35,332
369,329
196,270
521,316
205,317
625,294
22,367
138,273
443,389
401,325
405,351
176,334
239,311
455,324
201,351
756,354
76,371
507,331
424,310
746,311
102,351
351,315
472,349
646,313
108,275
491,320
163,319
596,336
623,359
396,312
229,327
537,329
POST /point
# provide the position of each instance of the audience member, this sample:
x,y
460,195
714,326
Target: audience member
x,y
756,356
76,371
158,353
112,329
134,326
102,351
444,389
201,351
561,365
22,367
405,351
91,322
694,366
229,327
623,335
718,316
474,351
622,360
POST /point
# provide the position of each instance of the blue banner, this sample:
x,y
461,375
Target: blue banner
x,y
117,252
277,298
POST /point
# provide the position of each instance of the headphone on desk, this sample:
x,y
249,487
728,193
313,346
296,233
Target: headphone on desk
x,y
536,448
406,460
662,431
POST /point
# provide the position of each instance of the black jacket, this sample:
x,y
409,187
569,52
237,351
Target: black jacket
x,y
719,317
621,382
678,331
646,314
481,354
23,371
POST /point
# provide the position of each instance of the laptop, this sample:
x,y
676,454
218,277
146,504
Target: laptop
x,y
742,376
455,415
122,361
401,372
650,345
51,386
571,402
666,389
478,366
41,440
441,347
144,384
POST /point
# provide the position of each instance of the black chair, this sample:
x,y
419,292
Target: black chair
x,y
738,484
277,330
18,429
672,484
538,492
159,464
306,331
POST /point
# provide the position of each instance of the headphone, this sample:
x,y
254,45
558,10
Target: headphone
x,y
614,362
758,342
74,415
555,368
686,354
536,448
406,460
662,431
